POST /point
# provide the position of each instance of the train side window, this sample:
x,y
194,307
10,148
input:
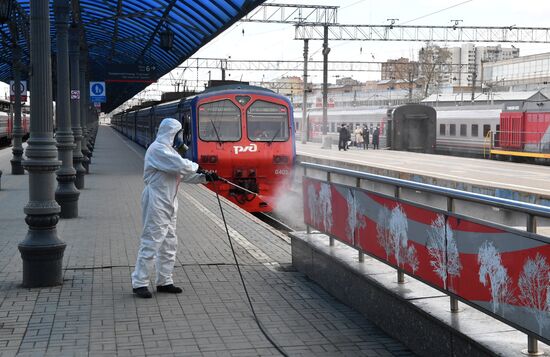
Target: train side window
x,y
463,130
442,129
452,129
475,130
486,129
267,121
219,120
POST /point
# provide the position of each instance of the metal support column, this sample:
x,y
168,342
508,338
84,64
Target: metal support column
x,y
303,124
41,250
66,194
17,150
326,139
83,111
74,58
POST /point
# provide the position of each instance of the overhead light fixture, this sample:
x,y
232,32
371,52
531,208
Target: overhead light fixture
x,y
166,38
5,10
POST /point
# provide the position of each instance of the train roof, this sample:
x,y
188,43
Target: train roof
x,y
469,114
453,99
235,86
353,111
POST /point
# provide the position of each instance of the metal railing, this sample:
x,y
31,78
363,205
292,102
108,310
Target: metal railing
x,y
520,143
526,313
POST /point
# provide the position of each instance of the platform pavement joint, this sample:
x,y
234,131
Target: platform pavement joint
x,y
94,312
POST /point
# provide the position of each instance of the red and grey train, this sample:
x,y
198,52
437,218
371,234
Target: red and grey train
x,y
6,122
518,130
243,133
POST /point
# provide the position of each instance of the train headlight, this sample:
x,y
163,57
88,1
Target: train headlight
x,y
209,159
280,159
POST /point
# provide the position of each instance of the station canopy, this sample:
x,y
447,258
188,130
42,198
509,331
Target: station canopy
x,y
122,38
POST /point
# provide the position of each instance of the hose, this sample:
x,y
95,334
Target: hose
x,y
260,326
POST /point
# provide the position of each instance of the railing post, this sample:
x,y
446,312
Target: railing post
x,y
330,238
400,276
532,347
531,223
361,255
532,342
453,301
400,273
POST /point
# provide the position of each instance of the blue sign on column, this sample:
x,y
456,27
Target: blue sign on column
x,y
97,92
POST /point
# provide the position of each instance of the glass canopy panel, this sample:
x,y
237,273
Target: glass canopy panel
x,y
127,32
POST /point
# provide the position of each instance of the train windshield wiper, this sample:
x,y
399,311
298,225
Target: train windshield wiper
x,y
216,131
274,136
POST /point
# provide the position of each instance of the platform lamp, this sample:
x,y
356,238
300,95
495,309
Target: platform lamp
x,y
166,38
5,10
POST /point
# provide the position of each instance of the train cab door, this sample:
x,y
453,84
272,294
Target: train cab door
x,y
188,133
417,127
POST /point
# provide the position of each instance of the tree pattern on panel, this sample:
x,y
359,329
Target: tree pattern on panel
x,y
534,286
412,258
320,206
354,216
398,226
382,232
493,273
445,258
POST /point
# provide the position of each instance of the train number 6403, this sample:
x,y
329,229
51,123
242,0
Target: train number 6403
x,y
281,172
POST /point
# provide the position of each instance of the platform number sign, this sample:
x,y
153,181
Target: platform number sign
x,y
22,91
97,92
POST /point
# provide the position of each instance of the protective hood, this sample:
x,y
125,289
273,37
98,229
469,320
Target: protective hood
x,y
167,131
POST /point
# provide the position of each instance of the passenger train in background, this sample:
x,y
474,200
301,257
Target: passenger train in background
x,y
6,122
243,133
517,131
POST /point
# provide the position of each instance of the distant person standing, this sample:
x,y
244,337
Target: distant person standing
x,y
358,133
348,141
343,138
366,138
376,137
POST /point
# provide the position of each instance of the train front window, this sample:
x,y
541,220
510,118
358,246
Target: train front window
x,y
267,122
219,121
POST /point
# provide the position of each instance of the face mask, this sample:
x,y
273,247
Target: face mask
x,y
178,143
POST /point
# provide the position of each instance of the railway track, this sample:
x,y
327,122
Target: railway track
x,y
274,222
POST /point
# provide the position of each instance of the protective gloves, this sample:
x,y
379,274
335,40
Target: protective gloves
x,y
211,176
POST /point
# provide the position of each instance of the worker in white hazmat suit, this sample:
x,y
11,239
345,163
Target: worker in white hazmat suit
x,y
164,169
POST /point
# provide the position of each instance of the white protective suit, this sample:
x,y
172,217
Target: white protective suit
x,y
163,170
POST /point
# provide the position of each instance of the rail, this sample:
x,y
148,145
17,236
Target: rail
x,y
501,271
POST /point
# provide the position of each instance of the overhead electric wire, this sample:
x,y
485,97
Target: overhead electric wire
x,y
436,12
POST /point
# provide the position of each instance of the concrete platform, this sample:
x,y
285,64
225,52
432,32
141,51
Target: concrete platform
x,y
523,182
94,312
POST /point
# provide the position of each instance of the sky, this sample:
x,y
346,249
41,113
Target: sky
x,y
262,41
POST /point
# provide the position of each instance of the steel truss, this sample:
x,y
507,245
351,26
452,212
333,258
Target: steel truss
x,y
424,33
293,14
